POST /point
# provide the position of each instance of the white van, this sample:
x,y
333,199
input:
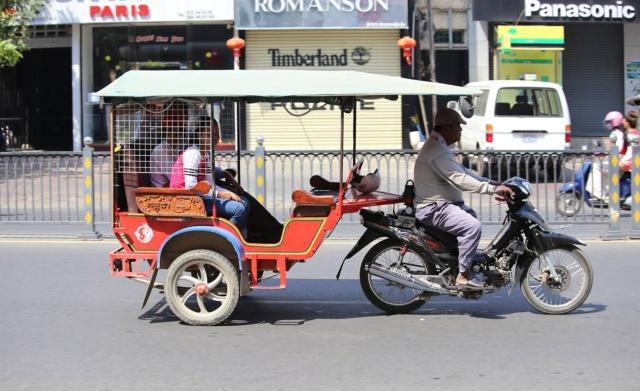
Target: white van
x,y
518,115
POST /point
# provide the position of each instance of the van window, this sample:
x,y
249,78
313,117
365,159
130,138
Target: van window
x,y
530,102
481,104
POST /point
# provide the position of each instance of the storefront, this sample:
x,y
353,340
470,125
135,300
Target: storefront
x,y
109,38
595,56
324,35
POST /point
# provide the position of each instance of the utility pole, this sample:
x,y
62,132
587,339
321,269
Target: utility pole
x,y
432,56
417,65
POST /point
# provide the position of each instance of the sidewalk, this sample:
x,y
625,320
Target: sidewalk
x,y
344,231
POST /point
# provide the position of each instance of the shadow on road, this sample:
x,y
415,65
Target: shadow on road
x,y
306,300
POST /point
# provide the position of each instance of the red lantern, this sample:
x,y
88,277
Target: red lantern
x,y
407,44
236,44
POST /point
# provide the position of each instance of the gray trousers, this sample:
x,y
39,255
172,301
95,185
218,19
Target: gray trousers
x,y
459,220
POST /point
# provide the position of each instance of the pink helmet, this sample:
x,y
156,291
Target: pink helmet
x,y
613,119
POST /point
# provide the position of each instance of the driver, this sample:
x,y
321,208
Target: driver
x,y
439,182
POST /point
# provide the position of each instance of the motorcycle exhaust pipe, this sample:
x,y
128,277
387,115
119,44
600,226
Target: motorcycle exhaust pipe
x,y
405,279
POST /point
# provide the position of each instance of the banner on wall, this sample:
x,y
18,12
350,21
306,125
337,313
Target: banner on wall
x,y
530,52
133,11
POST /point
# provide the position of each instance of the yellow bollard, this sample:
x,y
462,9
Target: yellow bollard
x,y
89,231
614,232
634,232
261,186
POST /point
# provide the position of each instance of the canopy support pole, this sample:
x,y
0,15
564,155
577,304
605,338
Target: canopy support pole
x,y
341,141
236,114
355,109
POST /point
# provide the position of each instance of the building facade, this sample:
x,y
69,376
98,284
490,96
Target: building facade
x,y
324,35
596,53
80,46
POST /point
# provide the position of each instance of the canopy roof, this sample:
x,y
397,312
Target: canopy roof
x,y
270,85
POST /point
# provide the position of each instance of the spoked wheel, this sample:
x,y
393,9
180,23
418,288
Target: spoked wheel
x,y
563,296
390,296
568,204
202,287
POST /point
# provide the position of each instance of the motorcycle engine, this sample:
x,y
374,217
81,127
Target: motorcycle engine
x,y
502,270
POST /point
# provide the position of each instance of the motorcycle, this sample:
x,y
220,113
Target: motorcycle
x,y
572,195
415,262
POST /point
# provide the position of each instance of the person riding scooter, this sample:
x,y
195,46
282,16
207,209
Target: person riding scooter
x,y
613,123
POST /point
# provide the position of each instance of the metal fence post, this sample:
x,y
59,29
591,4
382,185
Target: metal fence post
x,y
634,232
261,186
89,230
614,232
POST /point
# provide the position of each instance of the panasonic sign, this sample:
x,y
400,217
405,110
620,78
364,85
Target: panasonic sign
x,y
617,11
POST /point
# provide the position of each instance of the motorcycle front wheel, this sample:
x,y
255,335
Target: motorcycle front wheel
x,y
575,279
389,296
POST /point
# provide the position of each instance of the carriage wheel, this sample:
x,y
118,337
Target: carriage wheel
x,y
202,287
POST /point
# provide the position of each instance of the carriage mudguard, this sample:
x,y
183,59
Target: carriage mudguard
x,y
227,237
367,237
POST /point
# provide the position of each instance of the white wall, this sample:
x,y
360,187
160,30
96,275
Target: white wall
x,y
478,50
76,93
631,53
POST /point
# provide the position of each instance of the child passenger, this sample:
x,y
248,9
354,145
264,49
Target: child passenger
x,y
191,168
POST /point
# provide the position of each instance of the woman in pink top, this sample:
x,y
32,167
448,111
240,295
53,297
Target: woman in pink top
x,y
191,167
632,135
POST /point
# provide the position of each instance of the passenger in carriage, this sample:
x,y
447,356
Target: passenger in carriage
x,y
190,168
262,227
173,129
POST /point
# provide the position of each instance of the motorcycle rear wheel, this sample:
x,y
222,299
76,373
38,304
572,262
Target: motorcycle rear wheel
x,y
556,298
389,296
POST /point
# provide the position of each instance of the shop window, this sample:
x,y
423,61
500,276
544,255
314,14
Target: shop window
x,y
117,50
50,31
441,37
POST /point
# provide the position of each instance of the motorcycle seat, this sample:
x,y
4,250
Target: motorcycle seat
x,y
447,239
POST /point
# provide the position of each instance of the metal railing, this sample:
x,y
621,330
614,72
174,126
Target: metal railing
x,y
49,187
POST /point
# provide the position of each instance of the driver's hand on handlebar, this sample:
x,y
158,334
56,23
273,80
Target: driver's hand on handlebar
x,y
503,193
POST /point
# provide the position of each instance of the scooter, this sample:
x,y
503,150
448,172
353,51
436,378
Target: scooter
x,y
572,195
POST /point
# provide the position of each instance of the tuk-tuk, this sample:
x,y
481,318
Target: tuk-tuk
x,y
211,262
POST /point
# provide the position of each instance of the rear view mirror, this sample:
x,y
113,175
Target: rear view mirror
x,y
453,105
634,101
466,106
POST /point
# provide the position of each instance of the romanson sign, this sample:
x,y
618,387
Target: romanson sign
x,y
257,14
594,11
279,6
